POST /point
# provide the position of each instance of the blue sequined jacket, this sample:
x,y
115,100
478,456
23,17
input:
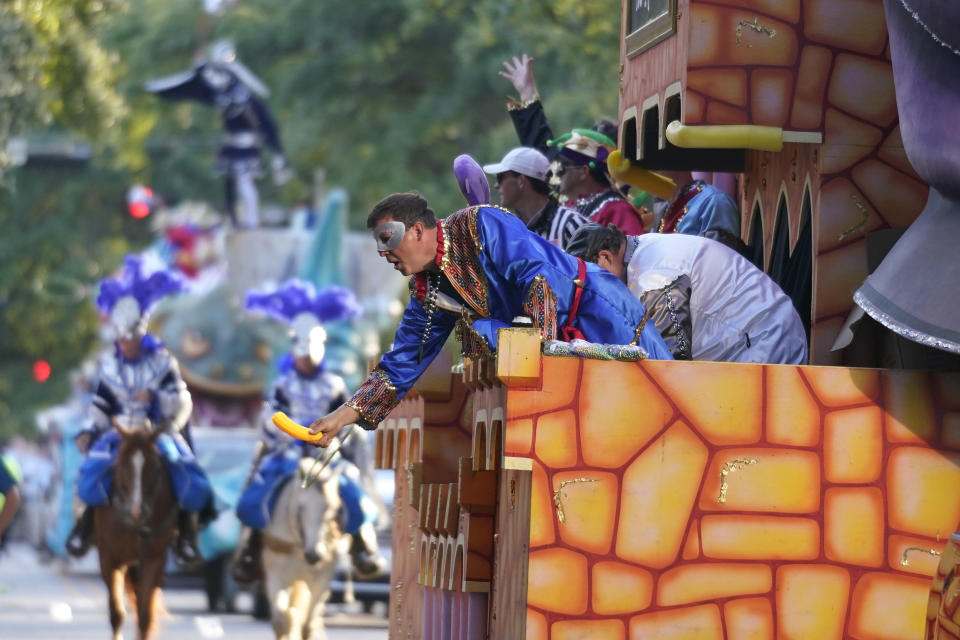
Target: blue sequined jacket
x,y
500,270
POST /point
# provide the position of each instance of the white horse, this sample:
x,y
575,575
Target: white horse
x,y
300,552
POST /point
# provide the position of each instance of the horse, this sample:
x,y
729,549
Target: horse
x,y
300,547
135,528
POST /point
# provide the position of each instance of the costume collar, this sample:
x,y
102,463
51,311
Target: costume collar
x,y
149,344
632,243
678,208
443,248
459,260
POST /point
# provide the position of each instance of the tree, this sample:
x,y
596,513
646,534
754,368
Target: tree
x,y
383,97
53,70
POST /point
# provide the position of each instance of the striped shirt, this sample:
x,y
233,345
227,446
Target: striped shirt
x,y
556,223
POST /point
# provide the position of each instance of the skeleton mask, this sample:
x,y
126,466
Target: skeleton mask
x,y
126,319
309,337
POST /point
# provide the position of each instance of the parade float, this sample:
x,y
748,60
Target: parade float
x,y
551,498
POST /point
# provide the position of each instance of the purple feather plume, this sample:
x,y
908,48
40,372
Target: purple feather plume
x,y
295,296
146,290
472,180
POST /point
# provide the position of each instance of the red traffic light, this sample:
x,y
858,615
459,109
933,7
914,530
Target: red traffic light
x,y
41,370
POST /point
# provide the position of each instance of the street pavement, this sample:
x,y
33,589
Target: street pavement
x,y
52,599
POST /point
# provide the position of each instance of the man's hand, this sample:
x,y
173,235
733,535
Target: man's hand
x,y
520,75
331,424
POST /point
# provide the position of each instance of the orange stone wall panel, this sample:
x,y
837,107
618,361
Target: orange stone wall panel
x,y
593,629
771,96
691,548
748,619
853,445
556,438
589,501
659,490
536,625
702,622
853,526
855,25
888,606
542,530
951,430
910,415
853,473
916,552
754,481
898,197
559,385
558,581
812,78
706,582
739,537
846,141
719,113
839,387
851,215
518,438
728,85
620,588
915,478
863,87
793,416
947,386
811,601
715,43
893,153
613,429
725,409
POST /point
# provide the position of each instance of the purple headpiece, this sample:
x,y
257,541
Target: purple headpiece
x,y
300,305
128,299
472,180
298,296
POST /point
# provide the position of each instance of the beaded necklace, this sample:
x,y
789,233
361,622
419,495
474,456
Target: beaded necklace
x,y
429,308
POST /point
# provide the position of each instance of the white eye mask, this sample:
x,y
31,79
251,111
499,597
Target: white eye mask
x,y
389,235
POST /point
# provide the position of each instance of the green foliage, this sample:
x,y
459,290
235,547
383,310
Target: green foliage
x,y
56,244
381,95
53,69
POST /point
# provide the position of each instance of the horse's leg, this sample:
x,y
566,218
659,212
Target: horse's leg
x,y
299,607
319,592
114,578
277,580
148,588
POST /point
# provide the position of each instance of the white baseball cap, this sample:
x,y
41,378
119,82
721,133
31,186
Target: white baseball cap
x,y
523,160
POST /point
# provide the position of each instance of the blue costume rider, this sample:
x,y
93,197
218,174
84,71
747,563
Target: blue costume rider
x,y
138,380
305,390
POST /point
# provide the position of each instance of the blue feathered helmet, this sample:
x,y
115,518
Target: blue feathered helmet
x,y
304,309
127,300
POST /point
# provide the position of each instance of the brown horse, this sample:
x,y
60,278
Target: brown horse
x,y
135,528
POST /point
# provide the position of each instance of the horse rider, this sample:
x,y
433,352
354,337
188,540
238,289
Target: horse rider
x,y
304,390
139,380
